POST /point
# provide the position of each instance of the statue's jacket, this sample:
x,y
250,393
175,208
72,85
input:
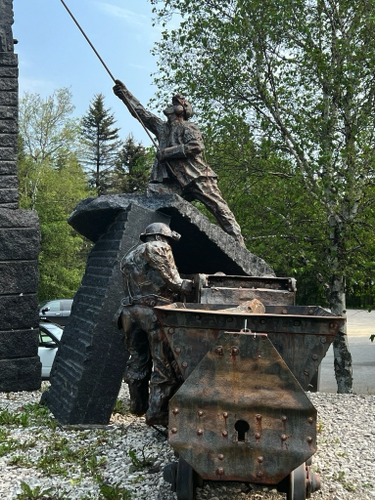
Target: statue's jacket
x,y
150,274
178,135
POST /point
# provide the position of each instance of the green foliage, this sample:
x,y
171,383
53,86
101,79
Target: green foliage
x,y
59,456
114,492
8,447
52,182
20,461
63,250
40,493
139,463
101,143
8,418
46,127
37,493
30,414
265,193
341,478
132,168
120,408
4,433
138,479
286,94
40,415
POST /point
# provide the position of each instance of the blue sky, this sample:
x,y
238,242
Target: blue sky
x,y
53,53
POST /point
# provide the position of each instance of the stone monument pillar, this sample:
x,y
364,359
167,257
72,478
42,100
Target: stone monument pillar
x,y
20,368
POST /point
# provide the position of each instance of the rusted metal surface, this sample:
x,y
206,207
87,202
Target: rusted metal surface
x,y
217,289
216,295
241,414
302,335
272,282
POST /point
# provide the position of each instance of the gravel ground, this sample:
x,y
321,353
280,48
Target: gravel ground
x,y
75,462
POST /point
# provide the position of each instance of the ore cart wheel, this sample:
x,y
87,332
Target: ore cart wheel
x,y
185,483
297,484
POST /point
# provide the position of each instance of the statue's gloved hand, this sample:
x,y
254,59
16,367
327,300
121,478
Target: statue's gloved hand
x,y
193,148
187,286
160,155
119,89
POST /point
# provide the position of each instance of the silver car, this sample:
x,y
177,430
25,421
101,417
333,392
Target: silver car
x,y
49,341
57,310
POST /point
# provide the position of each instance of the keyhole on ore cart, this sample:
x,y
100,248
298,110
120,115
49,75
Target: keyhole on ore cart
x,y
241,427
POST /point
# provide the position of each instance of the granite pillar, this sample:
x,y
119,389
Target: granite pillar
x,y
20,368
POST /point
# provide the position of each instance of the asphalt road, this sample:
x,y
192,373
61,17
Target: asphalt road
x,y
361,324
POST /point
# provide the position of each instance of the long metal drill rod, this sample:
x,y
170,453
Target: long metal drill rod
x,y
88,41
106,67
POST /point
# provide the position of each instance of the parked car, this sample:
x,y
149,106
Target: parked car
x,y
49,341
57,311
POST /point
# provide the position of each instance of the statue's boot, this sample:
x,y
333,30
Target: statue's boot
x,y
138,391
157,413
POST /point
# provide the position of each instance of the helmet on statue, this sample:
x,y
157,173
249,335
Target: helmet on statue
x,y
161,229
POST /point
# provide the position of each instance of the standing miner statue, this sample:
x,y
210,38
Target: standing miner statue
x,y
179,166
150,278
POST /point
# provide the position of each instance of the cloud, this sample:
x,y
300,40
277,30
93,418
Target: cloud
x,y
121,13
35,86
139,66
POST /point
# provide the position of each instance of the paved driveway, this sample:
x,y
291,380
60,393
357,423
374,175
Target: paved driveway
x,y
361,324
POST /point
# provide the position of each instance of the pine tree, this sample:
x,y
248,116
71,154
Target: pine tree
x,y
133,167
101,143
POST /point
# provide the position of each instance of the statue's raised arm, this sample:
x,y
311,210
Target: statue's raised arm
x,y
148,119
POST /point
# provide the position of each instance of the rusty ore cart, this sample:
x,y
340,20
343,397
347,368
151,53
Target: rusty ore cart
x,y
242,413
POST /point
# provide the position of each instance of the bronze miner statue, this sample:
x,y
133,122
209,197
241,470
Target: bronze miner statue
x,y
150,278
179,166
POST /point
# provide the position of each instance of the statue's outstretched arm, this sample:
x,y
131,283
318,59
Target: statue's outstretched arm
x,y
148,119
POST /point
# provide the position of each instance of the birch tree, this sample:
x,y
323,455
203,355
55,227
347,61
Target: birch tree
x,y
52,182
48,134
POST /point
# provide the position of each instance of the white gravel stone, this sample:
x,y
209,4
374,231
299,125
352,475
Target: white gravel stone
x,y
345,457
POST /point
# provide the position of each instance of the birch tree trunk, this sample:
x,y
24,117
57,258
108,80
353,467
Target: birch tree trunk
x,y
342,355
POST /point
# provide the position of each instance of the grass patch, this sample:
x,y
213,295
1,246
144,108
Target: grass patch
x,y
40,415
38,493
114,492
8,446
139,463
120,408
341,478
138,479
8,418
59,456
